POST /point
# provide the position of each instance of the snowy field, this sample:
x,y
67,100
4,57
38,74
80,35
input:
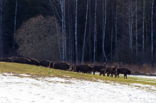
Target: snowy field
x,y
15,89
142,76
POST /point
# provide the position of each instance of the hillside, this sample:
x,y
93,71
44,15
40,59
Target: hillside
x,y
38,71
32,84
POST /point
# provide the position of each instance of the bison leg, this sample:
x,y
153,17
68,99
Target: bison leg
x,y
103,74
107,74
100,73
125,76
93,72
115,75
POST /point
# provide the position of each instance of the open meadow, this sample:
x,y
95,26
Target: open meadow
x,y
36,84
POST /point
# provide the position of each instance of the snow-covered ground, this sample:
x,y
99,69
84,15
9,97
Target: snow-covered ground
x,y
142,76
15,89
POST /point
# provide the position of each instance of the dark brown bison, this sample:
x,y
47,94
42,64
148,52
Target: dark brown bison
x,y
23,60
44,63
124,71
61,66
34,61
99,69
5,60
82,68
102,72
51,65
20,60
110,71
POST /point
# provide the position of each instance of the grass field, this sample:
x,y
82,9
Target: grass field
x,y
38,71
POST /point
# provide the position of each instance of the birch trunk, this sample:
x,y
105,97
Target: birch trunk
x,y
15,22
152,32
1,32
85,33
130,27
136,36
95,31
116,31
143,29
76,41
104,29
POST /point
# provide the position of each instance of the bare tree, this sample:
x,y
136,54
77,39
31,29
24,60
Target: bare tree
x,y
85,33
136,29
104,28
76,24
1,27
95,31
131,26
63,28
143,28
152,27
116,28
15,21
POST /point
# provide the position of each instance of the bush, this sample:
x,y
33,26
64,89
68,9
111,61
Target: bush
x,y
38,38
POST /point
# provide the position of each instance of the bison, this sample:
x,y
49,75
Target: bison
x,y
124,71
111,71
5,60
51,65
61,66
45,63
82,68
99,69
23,60
34,61
102,72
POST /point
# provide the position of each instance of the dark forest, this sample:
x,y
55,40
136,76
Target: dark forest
x,y
79,30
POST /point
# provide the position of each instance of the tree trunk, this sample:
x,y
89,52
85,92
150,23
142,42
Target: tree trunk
x,y
116,30
95,31
85,33
76,40
152,27
143,29
1,27
104,29
15,22
130,27
136,30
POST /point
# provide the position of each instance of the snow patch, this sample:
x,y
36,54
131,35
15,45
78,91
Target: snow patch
x,y
58,90
143,76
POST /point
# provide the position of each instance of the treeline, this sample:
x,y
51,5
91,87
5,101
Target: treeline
x,y
88,30
109,30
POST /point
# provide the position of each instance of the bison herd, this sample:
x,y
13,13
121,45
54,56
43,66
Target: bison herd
x,y
110,71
